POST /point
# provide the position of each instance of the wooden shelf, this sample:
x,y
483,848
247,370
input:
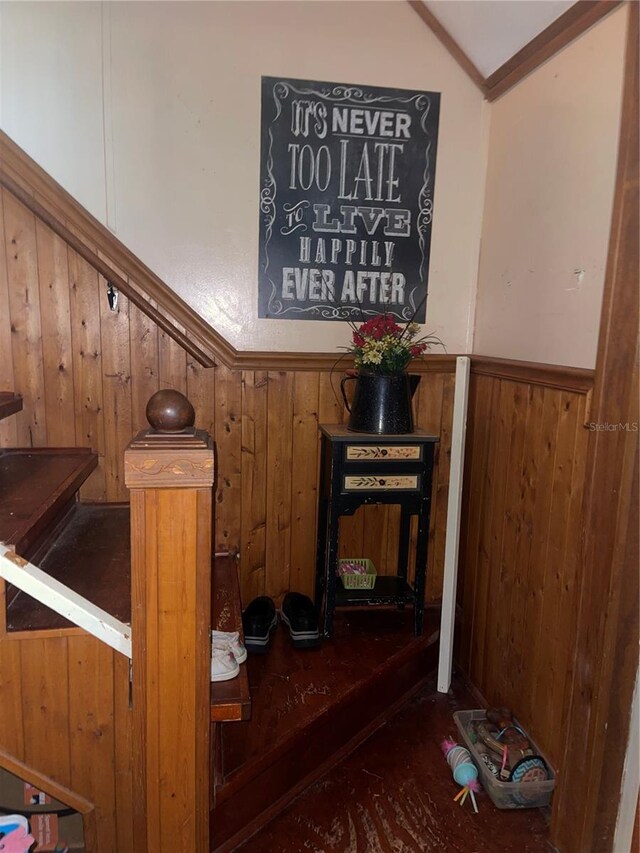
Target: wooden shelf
x,y
387,590
10,403
230,700
36,488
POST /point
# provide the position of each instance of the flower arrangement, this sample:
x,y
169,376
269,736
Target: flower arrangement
x,y
380,345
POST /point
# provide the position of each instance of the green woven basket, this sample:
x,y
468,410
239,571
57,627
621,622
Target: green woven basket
x,y
357,581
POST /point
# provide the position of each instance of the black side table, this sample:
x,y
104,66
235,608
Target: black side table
x,y
362,468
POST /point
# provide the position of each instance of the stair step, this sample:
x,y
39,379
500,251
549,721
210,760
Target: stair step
x,y
37,486
230,700
92,556
10,403
310,709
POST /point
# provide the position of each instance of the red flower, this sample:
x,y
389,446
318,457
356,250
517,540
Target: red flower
x,y
378,327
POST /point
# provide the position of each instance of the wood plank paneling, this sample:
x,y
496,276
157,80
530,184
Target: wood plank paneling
x,y
85,289
279,502
116,394
145,365
173,363
55,311
227,419
45,707
125,803
253,536
11,724
90,720
26,328
69,696
8,426
524,476
304,477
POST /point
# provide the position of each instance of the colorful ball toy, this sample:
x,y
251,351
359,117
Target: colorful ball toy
x,y
465,772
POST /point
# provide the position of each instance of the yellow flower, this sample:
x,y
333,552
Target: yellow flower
x,y
372,356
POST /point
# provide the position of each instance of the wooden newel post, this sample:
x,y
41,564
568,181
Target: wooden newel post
x,y
169,470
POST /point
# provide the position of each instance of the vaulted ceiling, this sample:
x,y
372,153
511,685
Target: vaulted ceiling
x,y
491,32
499,42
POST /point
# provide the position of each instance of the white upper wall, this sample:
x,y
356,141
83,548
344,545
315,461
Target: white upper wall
x,y
550,181
51,92
149,114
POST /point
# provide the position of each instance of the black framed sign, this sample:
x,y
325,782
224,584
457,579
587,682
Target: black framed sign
x,y
346,200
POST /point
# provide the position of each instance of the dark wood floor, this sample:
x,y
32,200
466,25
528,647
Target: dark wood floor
x,y
394,794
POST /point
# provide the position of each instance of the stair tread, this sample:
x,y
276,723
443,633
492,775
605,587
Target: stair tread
x,y
311,708
35,485
230,700
290,689
92,556
10,403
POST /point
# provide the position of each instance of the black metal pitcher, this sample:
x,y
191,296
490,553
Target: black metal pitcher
x,y
381,402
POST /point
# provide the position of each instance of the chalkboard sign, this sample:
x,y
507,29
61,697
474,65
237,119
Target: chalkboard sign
x,y
346,200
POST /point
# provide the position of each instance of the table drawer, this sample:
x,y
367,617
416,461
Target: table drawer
x,y
382,452
381,483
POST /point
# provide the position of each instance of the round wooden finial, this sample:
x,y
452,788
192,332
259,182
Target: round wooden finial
x,y
170,411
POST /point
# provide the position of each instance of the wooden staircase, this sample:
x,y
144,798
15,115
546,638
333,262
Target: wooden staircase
x,y
310,709
67,706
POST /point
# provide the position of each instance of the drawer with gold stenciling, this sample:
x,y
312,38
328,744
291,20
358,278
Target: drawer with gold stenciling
x,y
370,467
381,482
382,452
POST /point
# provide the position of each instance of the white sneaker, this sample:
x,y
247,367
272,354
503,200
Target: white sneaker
x,y
229,640
223,665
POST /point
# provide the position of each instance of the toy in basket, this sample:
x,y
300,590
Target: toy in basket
x,y
357,573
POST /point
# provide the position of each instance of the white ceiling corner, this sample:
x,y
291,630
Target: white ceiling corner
x,y
491,31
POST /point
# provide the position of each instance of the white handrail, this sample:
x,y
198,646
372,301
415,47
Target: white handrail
x,y
55,595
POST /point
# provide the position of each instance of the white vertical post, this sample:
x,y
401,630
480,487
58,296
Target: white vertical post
x,y
459,431
623,836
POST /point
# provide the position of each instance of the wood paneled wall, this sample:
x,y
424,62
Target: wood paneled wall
x,y
65,713
524,478
86,373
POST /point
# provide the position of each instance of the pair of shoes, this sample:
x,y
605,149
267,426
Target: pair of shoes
x,y
224,666
298,614
258,621
227,653
229,640
301,618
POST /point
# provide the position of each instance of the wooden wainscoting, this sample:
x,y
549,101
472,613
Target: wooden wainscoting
x,y
277,451
85,374
524,479
65,713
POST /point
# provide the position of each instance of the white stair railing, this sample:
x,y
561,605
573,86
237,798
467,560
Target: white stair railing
x,y
55,595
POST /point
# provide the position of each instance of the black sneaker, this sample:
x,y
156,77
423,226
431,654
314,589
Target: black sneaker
x,y
258,621
301,617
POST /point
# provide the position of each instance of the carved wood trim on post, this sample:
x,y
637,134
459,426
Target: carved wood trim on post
x,y
171,477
